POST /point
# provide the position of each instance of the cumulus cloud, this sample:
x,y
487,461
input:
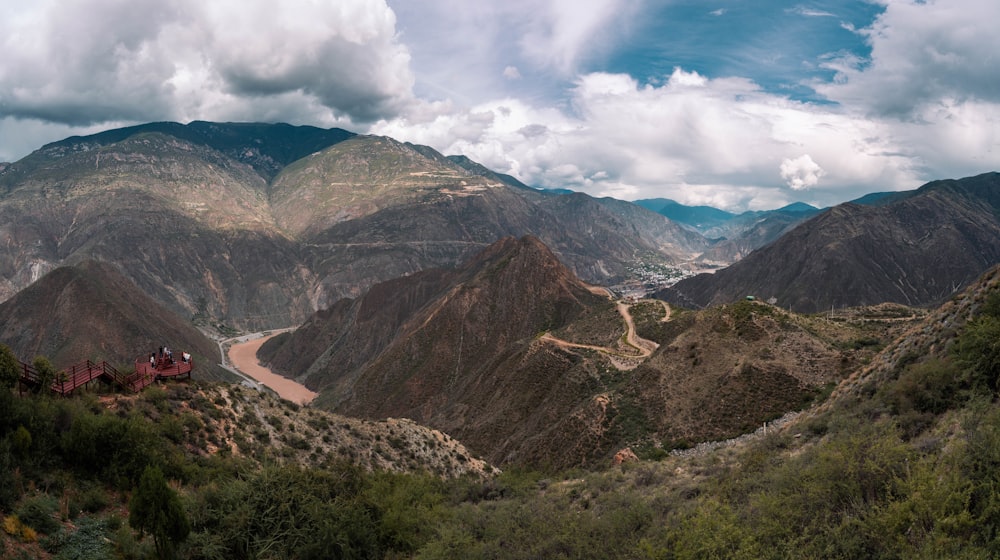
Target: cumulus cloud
x,y
92,61
694,139
801,172
511,86
923,53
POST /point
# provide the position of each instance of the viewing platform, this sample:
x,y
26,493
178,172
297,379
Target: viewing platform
x,y
78,375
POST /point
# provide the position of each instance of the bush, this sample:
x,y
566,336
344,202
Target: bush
x,y
92,500
39,513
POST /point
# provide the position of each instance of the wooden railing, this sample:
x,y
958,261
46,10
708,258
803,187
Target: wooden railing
x,y
78,375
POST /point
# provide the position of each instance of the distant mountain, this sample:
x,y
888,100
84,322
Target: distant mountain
x,y
700,218
90,311
916,249
266,147
736,235
478,169
256,226
749,231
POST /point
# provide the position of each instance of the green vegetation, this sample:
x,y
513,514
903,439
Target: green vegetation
x,y
156,509
905,467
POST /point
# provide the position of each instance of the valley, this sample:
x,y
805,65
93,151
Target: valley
x,y
480,366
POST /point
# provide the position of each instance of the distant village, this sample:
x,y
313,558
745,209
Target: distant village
x,y
646,277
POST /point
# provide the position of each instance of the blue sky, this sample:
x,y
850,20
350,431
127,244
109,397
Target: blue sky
x,y
733,103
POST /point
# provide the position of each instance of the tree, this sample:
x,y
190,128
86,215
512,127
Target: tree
x,y
10,368
46,373
156,509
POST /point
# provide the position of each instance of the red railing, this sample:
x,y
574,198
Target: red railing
x,y
72,378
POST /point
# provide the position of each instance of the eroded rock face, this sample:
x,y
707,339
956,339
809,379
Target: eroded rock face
x,y
252,226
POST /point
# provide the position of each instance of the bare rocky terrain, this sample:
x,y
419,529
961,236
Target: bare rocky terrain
x,y
523,362
252,226
916,248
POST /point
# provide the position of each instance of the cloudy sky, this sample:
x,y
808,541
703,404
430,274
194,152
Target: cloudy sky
x,y
733,103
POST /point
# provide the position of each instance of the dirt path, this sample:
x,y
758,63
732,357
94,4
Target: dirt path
x,y
243,356
621,360
645,346
666,311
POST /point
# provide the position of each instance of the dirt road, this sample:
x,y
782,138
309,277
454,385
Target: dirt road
x,y
243,356
622,361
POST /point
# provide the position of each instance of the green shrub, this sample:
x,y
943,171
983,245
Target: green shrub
x,y
39,512
93,499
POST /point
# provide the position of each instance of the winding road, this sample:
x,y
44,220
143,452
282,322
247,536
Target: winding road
x,y
622,360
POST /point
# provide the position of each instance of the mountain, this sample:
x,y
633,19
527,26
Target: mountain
x,y
478,169
516,357
267,148
700,218
746,232
90,311
252,226
881,198
916,250
736,235
450,348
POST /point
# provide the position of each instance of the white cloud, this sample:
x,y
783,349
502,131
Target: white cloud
x,y
923,52
562,31
810,12
692,139
801,172
92,61
503,86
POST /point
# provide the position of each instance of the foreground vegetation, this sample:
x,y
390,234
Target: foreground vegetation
x,y
906,465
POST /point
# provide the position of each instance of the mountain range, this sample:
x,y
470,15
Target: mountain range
x,y
255,226
916,248
430,287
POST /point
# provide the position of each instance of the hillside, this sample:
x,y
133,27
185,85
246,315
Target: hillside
x,y
898,462
258,475
251,226
517,358
735,235
90,311
915,250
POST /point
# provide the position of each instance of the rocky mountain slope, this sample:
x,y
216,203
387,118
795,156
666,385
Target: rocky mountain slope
x,y
256,226
521,361
916,250
241,422
90,311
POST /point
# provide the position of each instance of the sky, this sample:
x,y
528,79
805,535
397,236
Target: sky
x,y
736,104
